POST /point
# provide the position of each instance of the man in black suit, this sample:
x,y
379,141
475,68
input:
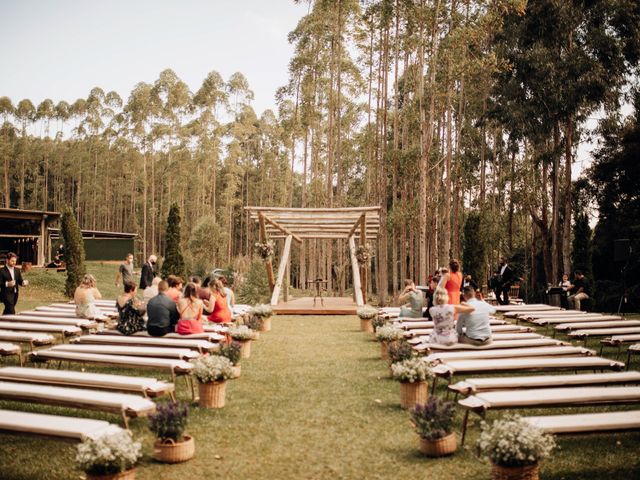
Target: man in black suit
x,y
148,272
10,283
505,280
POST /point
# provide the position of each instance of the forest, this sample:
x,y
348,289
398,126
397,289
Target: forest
x,y
460,118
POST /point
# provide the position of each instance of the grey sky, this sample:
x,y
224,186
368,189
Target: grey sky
x,y
62,49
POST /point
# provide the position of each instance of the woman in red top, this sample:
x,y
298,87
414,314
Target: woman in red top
x,y
190,310
452,281
220,308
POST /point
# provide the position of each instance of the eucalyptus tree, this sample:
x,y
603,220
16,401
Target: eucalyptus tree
x,y
45,113
6,110
25,114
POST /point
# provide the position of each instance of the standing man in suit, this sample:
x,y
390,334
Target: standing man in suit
x,y
10,283
148,272
505,280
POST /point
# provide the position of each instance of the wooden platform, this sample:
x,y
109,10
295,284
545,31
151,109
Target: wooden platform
x,y
304,306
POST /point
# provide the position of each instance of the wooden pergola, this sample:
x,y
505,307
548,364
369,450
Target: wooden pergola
x,y
301,224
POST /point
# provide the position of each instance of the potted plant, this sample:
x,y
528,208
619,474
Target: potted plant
x,y
514,447
263,312
399,351
112,456
168,424
378,321
212,373
243,334
412,374
433,422
232,351
366,315
387,334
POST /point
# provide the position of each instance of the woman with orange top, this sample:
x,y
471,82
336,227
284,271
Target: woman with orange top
x,y
220,312
452,281
190,310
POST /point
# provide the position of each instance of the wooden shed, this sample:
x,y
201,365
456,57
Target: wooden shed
x,y
25,232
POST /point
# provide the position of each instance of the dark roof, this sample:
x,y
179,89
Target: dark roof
x,y
31,214
97,234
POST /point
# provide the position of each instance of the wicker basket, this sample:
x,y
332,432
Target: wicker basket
x,y
412,393
384,350
212,394
266,324
174,452
237,370
126,475
440,447
365,325
529,472
245,351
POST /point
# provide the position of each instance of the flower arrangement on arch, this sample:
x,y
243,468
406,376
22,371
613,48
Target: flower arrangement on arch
x,y
364,254
264,250
514,442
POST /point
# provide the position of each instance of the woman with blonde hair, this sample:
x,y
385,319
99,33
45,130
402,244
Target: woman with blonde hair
x,y
443,315
220,312
85,298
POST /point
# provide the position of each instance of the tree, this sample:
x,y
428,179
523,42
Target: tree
x,y
581,250
173,263
473,248
73,251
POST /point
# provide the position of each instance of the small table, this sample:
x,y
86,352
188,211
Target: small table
x,y
318,282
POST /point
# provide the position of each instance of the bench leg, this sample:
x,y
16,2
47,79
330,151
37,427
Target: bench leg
x,y
464,427
125,419
628,358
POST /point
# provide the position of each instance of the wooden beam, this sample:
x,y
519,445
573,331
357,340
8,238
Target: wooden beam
x,y
281,270
360,222
357,286
319,210
267,262
281,228
323,236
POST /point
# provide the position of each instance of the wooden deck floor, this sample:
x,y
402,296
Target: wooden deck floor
x,y
305,306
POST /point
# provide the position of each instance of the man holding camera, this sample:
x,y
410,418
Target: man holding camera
x,y
10,283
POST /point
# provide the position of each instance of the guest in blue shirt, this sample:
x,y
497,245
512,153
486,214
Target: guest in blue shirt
x,y
476,324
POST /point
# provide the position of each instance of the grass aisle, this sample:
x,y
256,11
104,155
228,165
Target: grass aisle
x,y
314,402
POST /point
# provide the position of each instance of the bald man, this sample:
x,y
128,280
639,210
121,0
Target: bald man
x,y
148,272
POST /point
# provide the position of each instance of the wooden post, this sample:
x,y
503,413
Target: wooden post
x,y
281,269
363,242
357,286
287,280
267,262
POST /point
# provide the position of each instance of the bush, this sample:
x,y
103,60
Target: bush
x,y
513,442
169,421
108,454
378,322
73,252
389,333
434,419
214,368
254,322
399,351
255,287
173,263
232,351
411,370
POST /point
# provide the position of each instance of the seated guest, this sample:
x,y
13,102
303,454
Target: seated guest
x,y
578,291
220,312
565,284
231,298
190,310
429,297
85,298
152,290
175,288
130,311
477,328
196,280
204,293
162,313
443,316
468,281
415,299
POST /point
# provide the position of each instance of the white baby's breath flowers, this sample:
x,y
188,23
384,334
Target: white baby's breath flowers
x,y
513,442
367,312
412,370
241,333
110,453
389,333
213,368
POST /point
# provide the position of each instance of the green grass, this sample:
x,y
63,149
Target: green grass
x,y
314,401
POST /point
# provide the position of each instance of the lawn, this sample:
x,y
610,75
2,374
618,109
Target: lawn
x,y
314,401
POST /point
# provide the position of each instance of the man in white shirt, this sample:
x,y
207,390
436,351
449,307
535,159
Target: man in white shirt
x,y
10,283
477,327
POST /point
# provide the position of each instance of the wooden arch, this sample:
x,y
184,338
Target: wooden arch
x,y
300,224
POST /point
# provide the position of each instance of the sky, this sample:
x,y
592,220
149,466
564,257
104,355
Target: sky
x,y
62,49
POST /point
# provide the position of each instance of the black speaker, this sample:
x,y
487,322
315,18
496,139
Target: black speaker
x,y
621,249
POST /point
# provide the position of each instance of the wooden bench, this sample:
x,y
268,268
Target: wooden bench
x,y
63,330
202,346
11,350
144,351
498,344
509,353
586,423
32,339
76,322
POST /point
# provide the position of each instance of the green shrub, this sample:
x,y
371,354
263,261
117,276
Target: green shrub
x,y
173,260
434,419
399,351
255,288
169,421
73,252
